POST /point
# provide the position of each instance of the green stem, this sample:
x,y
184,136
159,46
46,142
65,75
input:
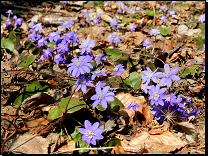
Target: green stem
x,y
90,26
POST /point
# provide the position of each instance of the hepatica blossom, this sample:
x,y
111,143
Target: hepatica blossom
x,y
149,75
146,42
63,46
118,69
168,76
163,18
133,105
116,39
132,27
113,22
47,52
80,66
91,132
201,18
105,4
67,24
154,32
9,12
99,72
42,41
58,58
111,37
83,83
86,45
102,96
18,21
8,23
54,36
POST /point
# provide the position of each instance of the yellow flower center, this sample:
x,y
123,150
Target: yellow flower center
x,y
47,52
57,56
90,133
63,47
78,63
53,34
101,96
150,75
115,69
133,103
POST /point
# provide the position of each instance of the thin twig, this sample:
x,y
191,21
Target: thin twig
x,y
152,57
90,26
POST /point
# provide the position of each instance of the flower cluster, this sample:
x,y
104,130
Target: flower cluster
x,y
114,38
17,21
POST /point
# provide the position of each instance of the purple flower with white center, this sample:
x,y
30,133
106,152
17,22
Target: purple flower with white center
x,y
73,37
102,96
118,27
156,95
119,11
193,113
80,66
116,39
42,58
33,35
100,84
118,69
171,99
99,72
173,16
15,17
133,105
104,57
132,27
83,83
65,2
145,87
42,41
8,23
149,75
63,46
111,37
87,20
113,22
31,25
9,12
18,21
125,7
47,52
84,13
105,4
67,24
163,18
96,21
166,9
119,3
38,27
133,12
91,133
86,45
146,42
201,18
168,76
179,101
138,8
38,37
98,15
54,36
172,2
160,10
154,32
172,13
58,58
203,47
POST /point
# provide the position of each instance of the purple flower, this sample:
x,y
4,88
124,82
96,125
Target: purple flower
x,y
58,58
42,58
73,37
84,13
154,32
91,132
169,75
47,52
87,20
125,7
132,27
80,66
171,99
160,10
18,21
98,15
173,16
67,24
163,18
102,97
166,9
54,36
38,27
118,69
138,8
33,35
133,105
201,18
156,95
65,2
96,21
172,13
31,25
86,45
133,12
42,41
119,3
193,113
100,84
104,57
119,11
63,46
14,17
113,22
116,39
83,83
38,37
203,47
8,23
146,42
105,4
145,87
99,72
9,12
118,27
111,37
149,75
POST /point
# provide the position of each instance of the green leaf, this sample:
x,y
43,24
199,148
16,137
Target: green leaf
x,y
100,108
185,72
35,50
73,106
72,81
157,12
165,31
125,21
30,59
6,43
22,64
194,67
31,89
133,80
114,106
114,54
150,12
134,15
51,45
199,41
